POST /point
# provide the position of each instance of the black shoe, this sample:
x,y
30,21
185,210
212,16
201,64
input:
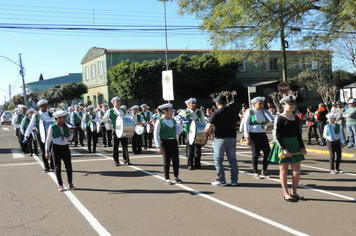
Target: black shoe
x,y
45,170
31,154
134,153
82,145
75,145
109,145
297,197
190,168
117,163
292,199
104,145
94,151
199,167
89,151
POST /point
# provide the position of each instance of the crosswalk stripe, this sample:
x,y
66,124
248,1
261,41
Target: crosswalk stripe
x,y
16,153
5,128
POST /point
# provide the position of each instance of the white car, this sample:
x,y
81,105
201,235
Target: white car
x,y
6,117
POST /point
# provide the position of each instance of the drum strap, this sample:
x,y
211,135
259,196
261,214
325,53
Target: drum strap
x,y
332,132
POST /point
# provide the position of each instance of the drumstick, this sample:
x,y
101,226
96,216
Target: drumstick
x,y
282,155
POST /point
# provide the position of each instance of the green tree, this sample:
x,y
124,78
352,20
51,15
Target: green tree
x,y
251,24
69,92
18,99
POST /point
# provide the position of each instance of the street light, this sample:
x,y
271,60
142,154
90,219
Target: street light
x,y
22,73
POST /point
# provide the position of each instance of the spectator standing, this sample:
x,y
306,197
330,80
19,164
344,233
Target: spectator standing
x,y
341,121
300,116
311,125
241,115
350,115
320,117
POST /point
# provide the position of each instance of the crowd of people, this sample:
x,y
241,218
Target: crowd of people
x,y
170,128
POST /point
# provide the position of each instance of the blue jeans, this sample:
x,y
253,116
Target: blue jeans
x,y
342,133
351,131
220,146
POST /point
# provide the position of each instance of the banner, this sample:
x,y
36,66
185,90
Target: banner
x,y
167,85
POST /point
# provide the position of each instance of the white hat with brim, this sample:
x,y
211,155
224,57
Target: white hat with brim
x,y
30,110
286,99
24,106
59,114
187,102
91,106
257,99
331,116
193,100
104,104
144,105
352,101
134,107
75,106
123,107
70,108
165,106
114,99
41,102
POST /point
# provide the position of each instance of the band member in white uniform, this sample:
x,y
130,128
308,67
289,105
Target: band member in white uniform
x,y
60,135
137,138
113,114
255,134
43,114
16,122
89,117
76,119
194,151
23,127
148,119
165,135
105,133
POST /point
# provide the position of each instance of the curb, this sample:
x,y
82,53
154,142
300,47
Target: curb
x,y
324,152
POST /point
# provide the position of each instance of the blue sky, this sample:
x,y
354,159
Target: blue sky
x,y
57,52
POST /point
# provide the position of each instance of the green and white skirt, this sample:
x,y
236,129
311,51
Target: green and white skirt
x,y
292,145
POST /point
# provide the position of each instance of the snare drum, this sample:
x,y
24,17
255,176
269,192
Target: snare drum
x,y
149,128
125,127
196,133
93,127
108,125
98,127
139,129
44,125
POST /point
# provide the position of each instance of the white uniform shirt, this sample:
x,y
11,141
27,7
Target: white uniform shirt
x,y
43,116
179,128
253,128
23,124
72,116
337,136
57,141
117,112
93,117
14,121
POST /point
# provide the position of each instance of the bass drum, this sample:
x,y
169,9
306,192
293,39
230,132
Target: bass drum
x,y
44,125
98,127
139,129
125,127
108,125
93,127
149,128
196,133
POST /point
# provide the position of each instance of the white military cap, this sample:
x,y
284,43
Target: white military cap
x,y
75,106
148,107
193,100
164,106
70,108
19,106
331,116
16,109
24,106
104,104
30,110
134,107
352,101
286,99
59,114
123,107
41,102
91,106
114,99
144,105
256,99
187,102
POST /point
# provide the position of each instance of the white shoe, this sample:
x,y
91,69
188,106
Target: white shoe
x,y
168,182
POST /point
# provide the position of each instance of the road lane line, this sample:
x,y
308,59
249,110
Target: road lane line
x,y
21,164
17,153
81,208
5,128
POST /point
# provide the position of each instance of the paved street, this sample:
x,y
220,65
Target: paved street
x,y
134,200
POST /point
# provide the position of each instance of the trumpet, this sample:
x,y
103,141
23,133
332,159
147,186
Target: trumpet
x,y
282,155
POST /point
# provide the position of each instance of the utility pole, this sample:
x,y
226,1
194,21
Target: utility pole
x,y
22,73
10,92
165,30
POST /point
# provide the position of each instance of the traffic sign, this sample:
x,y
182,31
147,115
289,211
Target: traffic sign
x,y
283,87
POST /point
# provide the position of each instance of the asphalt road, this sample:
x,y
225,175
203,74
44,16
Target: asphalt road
x,y
134,200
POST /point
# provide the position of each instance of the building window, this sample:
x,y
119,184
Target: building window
x,y
315,65
100,68
271,64
301,65
86,73
303,93
242,65
93,71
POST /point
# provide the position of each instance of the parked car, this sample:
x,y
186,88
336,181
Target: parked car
x,y
6,117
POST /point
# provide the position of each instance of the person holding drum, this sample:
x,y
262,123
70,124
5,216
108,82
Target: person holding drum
x,y
223,121
89,123
60,134
139,129
123,107
43,114
76,119
165,136
104,131
194,151
148,118
255,134
23,127
113,114
288,148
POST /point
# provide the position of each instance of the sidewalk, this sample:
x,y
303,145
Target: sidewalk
x,y
346,152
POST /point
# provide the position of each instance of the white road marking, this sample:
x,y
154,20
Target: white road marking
x,y
5,128
87,214
327,170
17,153
74,152
20,164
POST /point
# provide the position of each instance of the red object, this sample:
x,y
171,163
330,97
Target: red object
x,y
317,113
100,106
283,87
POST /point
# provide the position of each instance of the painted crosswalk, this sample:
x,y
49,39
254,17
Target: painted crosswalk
x,y
5,128
16,153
